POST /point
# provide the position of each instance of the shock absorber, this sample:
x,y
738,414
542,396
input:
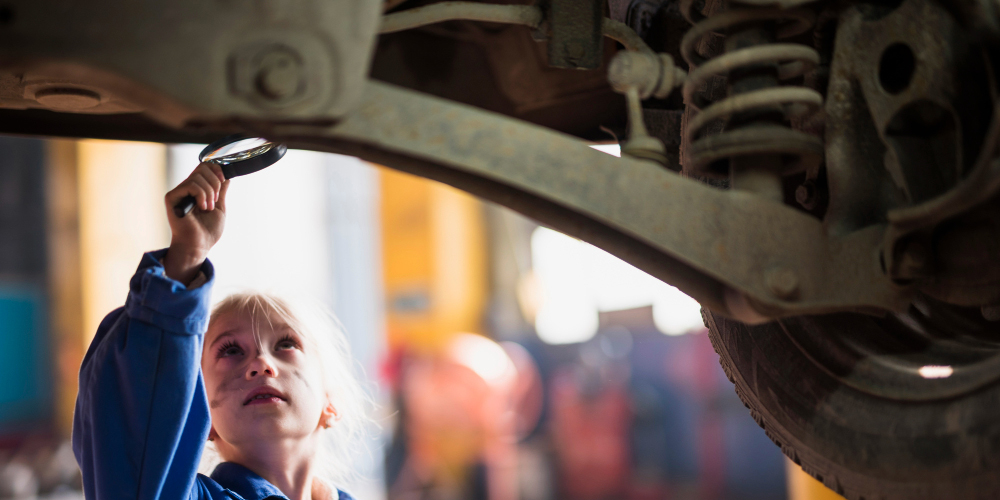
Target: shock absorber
x,y
755,134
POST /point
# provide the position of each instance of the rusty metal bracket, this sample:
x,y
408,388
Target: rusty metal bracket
x,y
293,60
575,39
981,184
912,145
734,252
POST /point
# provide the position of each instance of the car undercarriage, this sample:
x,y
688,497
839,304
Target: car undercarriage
x,y
821,176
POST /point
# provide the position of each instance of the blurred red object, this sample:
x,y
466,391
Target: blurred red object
x,y
590,431
459,407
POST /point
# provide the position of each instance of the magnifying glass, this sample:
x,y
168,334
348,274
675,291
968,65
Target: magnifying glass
x,y
237,155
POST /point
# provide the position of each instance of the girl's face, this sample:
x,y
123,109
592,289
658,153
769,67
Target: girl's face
x,y
263,381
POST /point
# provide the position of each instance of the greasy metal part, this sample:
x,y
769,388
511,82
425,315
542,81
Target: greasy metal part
x,y
638,14
621,33
756,140
735,251
982,17
687,233
795,60
756,110
637,73
640,144
991,312
640,75
749,106
388,5
982,183
575,33
120,52
501,69
911,143
652,75
527,15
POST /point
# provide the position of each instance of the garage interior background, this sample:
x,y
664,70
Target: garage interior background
x,y
509,361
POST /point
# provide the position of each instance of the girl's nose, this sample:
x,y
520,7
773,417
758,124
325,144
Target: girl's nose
x,y
261,365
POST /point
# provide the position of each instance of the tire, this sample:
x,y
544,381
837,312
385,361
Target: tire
x,y
847,398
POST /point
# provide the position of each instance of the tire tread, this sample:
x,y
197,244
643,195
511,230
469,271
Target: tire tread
x,y
772,431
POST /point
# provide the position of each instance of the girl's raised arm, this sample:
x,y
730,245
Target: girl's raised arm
x,y
141,414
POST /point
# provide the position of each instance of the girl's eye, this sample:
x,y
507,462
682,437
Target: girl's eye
x,y
230,348
287,342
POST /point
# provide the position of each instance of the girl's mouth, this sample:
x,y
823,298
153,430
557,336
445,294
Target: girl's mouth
x,y
262,400
263,395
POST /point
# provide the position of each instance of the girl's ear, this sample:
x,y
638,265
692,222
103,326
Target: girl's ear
x,y
329,416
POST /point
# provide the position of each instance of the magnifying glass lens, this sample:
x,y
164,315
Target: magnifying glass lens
x,y
240,150
237,155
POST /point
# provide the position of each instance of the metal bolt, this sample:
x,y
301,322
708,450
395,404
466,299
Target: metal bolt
x,y
915,255
991,313
782,282
574,51
279,75
912,261
541,33
805,195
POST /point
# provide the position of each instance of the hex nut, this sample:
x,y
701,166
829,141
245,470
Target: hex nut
x,y
805,195
782,282
991,312
280,74
272,75
911,262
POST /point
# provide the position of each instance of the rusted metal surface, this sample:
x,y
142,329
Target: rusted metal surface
x,y
641,75
684,232
755,65
295,60
575,33
501,69
909,188
621,33
910,144
527,15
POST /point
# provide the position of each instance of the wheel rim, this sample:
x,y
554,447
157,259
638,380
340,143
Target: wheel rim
x,y
930,352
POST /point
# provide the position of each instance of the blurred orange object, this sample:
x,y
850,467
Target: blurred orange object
x,y
459,414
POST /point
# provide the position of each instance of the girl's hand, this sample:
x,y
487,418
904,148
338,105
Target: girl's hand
x,y
193,235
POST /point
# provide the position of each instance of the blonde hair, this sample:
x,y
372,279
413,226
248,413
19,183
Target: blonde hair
x,y
345,438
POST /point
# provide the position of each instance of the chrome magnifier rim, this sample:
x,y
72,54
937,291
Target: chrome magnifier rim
x,y
237,164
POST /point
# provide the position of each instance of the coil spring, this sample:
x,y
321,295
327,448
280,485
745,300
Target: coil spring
x,y
754,136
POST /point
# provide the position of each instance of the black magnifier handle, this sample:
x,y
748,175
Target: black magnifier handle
x,y
187,203
234,165
184,206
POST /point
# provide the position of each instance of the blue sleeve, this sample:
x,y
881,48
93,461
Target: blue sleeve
x,y
142,416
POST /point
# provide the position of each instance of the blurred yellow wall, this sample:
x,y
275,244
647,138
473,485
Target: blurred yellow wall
x,y
122,215
105,209
434,260
802,486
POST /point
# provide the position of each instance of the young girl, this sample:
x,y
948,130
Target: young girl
x,y
261,379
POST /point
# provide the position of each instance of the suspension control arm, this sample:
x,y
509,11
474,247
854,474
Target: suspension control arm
x,y
736,253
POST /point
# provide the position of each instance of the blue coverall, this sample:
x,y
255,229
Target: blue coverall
x,y
141,414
